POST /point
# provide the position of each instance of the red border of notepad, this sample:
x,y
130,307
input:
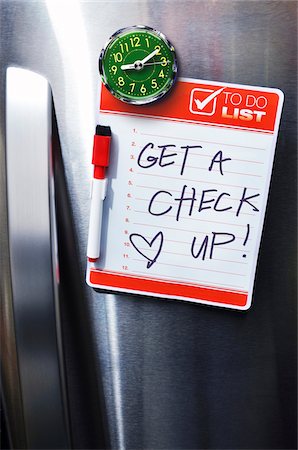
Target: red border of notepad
x,y
153,286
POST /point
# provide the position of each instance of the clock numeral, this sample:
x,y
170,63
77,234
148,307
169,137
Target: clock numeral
x,y
114,69
157,47
164,61
132,87
147,42
117,57
143,89
121,81
161,74
135,41
154,85
124,47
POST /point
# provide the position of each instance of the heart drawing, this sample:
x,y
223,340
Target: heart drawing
x,y
141,245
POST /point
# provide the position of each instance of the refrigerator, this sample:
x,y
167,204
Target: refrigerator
x,y
86,368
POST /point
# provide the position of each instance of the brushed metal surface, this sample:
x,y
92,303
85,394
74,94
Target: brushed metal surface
x,y
177,375
33,258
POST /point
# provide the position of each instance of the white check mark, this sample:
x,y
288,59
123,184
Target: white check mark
x,y
201,105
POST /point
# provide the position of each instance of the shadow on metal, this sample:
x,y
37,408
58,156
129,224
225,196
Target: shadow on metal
x,y
86,407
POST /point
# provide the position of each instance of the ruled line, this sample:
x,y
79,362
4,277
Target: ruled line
x,y
193,268
200,140
188,254
191,152
248,160
196,181
226,171
154,187
189,243
179,229
197,219
173,204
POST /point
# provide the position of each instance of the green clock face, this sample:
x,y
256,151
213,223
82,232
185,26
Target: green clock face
x,y
138,65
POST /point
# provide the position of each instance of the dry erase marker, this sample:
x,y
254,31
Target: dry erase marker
x,y
100,160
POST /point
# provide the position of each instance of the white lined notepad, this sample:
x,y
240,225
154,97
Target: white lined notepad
x,y
187,193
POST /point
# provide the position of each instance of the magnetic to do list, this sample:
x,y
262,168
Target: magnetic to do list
x,y
187,189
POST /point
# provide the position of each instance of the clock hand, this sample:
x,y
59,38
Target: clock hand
x,y
150,56
127,66
133,66
139,64
156,62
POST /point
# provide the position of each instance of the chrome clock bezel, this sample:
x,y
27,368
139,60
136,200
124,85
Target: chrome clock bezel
x,y
140,101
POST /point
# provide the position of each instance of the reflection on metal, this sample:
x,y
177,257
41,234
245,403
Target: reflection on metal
x,y
116,367
67,22
34,268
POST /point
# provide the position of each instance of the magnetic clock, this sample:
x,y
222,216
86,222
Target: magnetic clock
x,y
138,65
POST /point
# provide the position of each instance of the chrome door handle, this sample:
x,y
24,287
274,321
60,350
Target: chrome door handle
x,y
33,261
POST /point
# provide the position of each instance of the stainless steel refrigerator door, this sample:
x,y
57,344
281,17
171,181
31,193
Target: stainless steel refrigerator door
x,y
177,375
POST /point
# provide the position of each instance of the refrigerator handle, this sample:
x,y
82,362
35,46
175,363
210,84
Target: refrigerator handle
x,y
33,258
